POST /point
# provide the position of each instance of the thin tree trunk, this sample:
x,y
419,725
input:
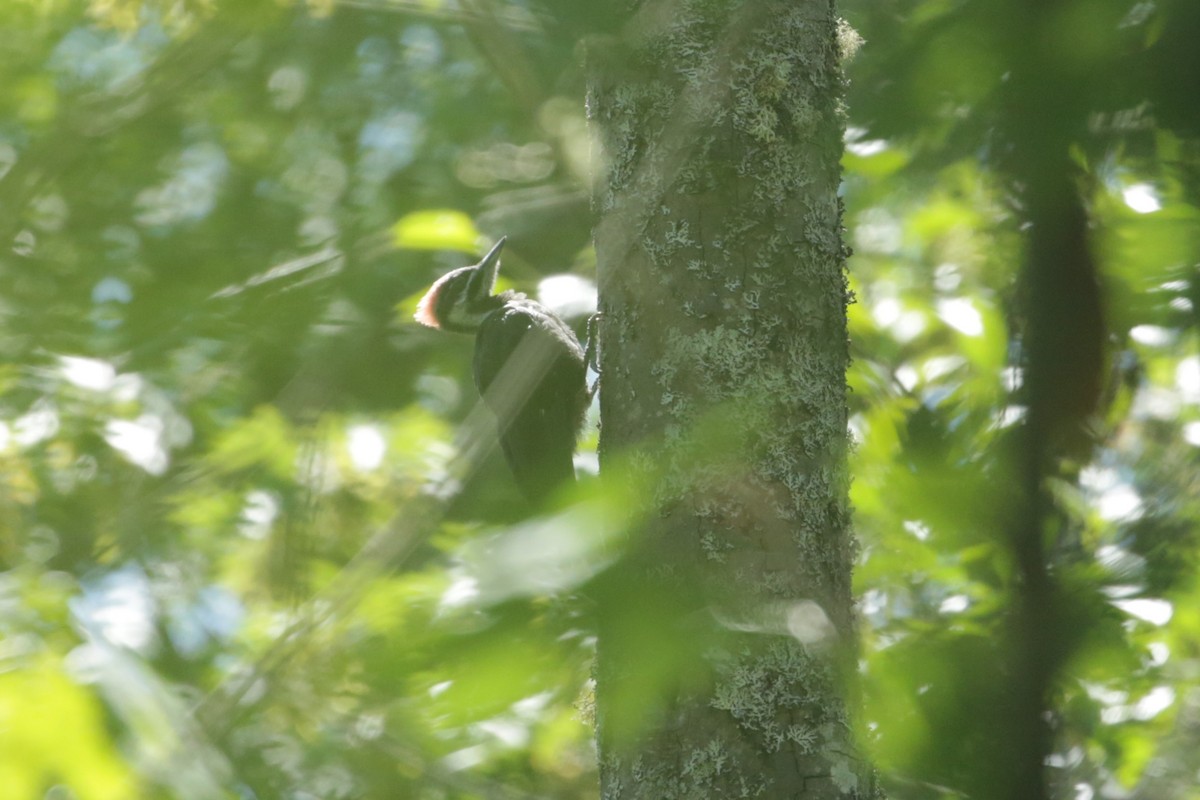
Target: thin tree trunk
x,y
723,404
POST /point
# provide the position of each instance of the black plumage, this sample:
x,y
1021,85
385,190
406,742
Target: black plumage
x,y
529,369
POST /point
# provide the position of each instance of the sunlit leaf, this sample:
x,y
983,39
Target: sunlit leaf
x,y
35,753
436,230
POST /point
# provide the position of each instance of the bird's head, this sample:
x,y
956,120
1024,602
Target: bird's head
x,y
460,299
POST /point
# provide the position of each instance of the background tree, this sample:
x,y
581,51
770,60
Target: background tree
x,y
248,546
1040,140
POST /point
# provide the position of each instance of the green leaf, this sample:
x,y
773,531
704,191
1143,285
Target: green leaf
x,y
439,229
35,753
264,440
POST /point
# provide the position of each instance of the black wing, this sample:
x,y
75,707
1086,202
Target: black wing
x,y
529,369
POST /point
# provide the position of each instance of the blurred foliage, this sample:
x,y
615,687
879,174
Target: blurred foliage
x,y
939,236
252,540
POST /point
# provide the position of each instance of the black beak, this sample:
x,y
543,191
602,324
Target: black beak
x,y
484,276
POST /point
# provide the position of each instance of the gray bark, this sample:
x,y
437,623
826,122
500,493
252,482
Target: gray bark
x,y
723,403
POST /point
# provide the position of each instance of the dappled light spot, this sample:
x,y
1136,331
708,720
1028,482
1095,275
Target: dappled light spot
x,y
878,231
140,441
88,373
366,446
190,192
567,295
118,608
389,142
1142,198
39,424
1187,379
1121,502
259,514
1148,609
462,590
1117,710
868,147
808,623
947,277
1152,335
955,604
111,289
1191,433
287,86
905,324
960,313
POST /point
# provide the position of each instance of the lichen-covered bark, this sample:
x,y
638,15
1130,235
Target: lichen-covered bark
x,y
724,356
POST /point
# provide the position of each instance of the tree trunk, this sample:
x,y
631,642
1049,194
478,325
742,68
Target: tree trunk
x,y
723,404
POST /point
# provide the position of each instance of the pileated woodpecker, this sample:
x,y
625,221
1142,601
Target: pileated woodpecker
x,y
529,368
